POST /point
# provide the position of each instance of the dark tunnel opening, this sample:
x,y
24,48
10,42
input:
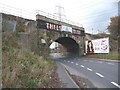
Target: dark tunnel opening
x,y
70,44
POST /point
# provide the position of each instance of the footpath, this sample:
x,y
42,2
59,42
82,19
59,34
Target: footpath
x,y
65,77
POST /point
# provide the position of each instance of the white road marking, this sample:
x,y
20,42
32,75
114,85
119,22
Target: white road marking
x,y
89,69
110,63
100,75
72,62
82,66
115,84
77,64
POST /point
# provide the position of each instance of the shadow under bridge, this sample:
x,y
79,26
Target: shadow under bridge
x,y
72,47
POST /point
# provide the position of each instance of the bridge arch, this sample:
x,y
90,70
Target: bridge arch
x,y
70,44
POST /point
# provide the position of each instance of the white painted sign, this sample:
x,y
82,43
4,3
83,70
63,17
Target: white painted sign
x,y
97,46
66,28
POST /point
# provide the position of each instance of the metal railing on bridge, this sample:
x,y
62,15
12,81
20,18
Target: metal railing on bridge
x,y
53,16
31,15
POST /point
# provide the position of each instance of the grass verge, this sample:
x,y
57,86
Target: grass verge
x,y
112,55
21,68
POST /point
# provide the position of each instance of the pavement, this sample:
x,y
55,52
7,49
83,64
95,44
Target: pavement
x,y
65,78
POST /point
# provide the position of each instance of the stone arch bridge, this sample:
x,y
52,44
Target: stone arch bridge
x,y
38,34
69,36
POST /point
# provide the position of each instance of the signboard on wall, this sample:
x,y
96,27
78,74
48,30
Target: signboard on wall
x,y
97,46
47,25
74,31
52,26
66,28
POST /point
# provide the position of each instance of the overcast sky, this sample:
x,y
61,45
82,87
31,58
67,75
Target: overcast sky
x,y
92,14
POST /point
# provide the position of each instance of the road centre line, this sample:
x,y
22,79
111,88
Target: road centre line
x,y
115,84
68,61
72,62
76,64
99,74
82,66
89,69
110,63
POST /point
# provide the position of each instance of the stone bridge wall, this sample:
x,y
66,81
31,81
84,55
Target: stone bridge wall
x,y
31,36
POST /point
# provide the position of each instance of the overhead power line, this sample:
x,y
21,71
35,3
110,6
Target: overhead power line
x,y
91,4
100,15
30,15
16,11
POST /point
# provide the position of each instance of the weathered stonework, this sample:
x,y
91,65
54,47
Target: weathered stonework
x,y
53,34
31,34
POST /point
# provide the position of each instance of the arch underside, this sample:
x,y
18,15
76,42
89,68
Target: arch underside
x,y
70,44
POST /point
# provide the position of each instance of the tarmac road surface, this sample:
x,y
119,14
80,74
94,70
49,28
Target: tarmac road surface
x,y
103,74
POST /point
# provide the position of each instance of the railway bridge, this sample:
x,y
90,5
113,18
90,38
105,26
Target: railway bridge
x,y
69,36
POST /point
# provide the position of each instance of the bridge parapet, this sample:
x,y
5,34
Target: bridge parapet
x,y
55,17
48,30
70,36
48,23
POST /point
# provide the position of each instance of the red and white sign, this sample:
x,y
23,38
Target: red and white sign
x,y
74,31
51,26
98,46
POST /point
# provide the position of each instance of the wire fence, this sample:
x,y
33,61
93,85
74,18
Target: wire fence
x,y
32,15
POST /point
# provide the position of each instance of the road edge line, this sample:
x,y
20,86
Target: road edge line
x,y
105,59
